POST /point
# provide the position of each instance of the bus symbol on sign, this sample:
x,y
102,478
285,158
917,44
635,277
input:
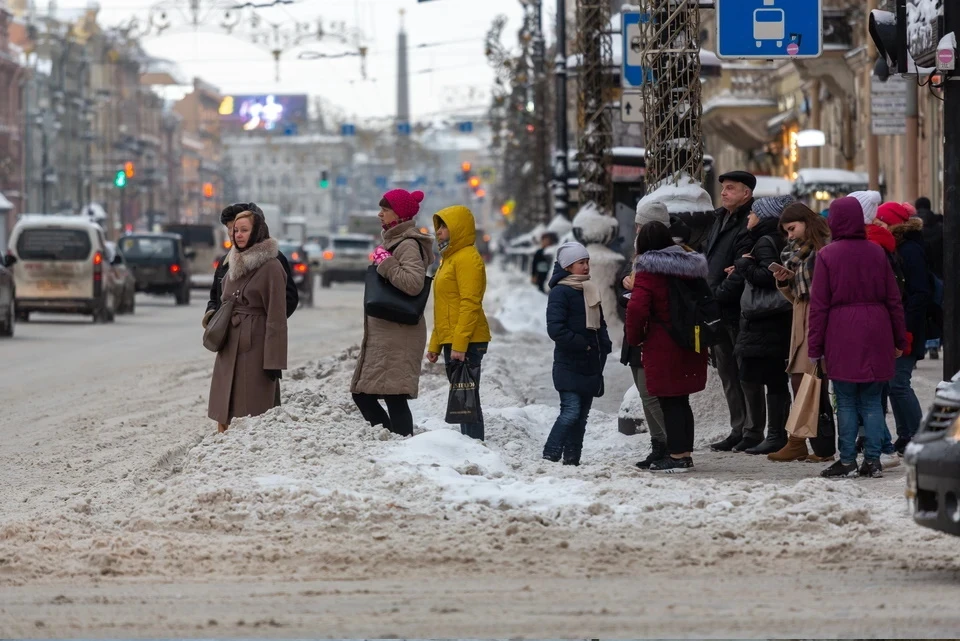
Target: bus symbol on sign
x,y
769,24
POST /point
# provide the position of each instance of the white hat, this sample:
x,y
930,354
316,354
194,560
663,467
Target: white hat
x,y
652,211
869,202
569,253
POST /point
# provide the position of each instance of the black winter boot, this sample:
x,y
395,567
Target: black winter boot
x,y
726,444
778,409
658,451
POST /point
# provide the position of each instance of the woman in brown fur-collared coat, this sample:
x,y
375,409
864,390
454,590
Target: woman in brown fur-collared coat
x,y
245,376
391,353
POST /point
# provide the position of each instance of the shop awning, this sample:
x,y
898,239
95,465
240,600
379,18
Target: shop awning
x,y
834,181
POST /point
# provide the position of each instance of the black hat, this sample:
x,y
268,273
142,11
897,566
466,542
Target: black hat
x,y
744,177
229,213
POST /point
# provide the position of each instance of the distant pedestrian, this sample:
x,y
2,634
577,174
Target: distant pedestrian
x,y
857,327
576,324
673,372
247,369
542,262
391,353
460,329
729,239
933,250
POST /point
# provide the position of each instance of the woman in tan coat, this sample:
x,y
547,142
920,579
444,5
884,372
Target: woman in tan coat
x,y
808,233
391,353
246,373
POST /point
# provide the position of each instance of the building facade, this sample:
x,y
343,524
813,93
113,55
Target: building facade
x,y
11,126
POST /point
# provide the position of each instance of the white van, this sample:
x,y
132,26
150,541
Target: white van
x,y
60,266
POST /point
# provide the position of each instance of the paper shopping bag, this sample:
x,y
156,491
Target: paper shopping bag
x,y
805,413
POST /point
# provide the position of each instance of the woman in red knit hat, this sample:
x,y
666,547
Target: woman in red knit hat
x,y
390,355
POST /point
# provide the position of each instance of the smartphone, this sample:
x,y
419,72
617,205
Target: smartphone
x,y
775,266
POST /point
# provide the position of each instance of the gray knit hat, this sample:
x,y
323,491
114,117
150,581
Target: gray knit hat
x,y
653,211
869,202
771,206
569,253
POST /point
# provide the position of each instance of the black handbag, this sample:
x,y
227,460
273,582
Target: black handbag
x,y
384,301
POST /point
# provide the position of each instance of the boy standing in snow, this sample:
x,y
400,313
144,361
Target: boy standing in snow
x,y
575,323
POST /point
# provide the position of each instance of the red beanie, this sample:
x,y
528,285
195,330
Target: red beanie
x,y
892,214
404,203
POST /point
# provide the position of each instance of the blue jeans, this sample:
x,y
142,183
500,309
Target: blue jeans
x,y
566,437
903,400
859,401
475,353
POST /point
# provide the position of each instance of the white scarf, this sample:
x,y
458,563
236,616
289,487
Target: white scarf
x,y
591,297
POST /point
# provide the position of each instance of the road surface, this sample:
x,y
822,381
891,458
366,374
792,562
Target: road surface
x,y
102,425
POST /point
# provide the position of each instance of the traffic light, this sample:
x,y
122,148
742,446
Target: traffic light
x,y
466,167
208,190
129,170
120,180
474,182
324,179
481,193
889,33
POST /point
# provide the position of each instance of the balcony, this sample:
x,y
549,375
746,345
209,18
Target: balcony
x,y
737,105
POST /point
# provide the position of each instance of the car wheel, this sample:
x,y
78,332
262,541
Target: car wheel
x,y
23,317
183,296
325,282
100,314
132,303
7,330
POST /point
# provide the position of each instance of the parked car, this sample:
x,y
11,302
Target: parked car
x,y
59,266
8,299
300,267
347,258
932,460
314,248
123,282
160,264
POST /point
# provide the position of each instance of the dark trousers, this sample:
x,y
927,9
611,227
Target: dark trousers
x,y
678,420
475,353
397,417
566,437
746,402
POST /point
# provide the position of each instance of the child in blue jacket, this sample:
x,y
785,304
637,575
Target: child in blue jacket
x,y
575,323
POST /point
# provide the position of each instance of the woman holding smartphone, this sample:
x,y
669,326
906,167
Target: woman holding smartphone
x,y
807,233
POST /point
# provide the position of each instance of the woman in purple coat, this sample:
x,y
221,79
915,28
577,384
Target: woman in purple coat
x,y
857,328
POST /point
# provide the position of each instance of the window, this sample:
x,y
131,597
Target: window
x,y
136,248
53,244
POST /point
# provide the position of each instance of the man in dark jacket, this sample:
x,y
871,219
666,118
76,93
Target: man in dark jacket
x,y
728,241
916,299
540,270
227,216
933,249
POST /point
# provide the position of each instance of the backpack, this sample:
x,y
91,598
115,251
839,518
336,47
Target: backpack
x,y
695,322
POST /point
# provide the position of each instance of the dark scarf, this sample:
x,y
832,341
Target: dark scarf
x,y
800,259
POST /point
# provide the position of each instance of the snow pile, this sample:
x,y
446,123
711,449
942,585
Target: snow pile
x,y
687,195
515,303
591,226
560,226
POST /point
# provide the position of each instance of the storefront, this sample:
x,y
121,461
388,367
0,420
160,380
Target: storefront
x,y
817,188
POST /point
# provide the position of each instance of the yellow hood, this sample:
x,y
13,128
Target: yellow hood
x,y
463,228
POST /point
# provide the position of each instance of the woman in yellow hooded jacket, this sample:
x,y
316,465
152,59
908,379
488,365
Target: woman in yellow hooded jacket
x,y
460,329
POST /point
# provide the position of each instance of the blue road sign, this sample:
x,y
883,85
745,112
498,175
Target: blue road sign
x,y
632,72
465,127
341,181
769,29
403,128
348,130
381,182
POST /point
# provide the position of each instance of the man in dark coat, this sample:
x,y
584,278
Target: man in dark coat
x,y
227,216
910,257
933,249
728,241
540,270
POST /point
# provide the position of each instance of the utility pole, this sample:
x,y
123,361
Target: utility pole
x,y
951,207
913,143
541,166
561,197
595,47
873,149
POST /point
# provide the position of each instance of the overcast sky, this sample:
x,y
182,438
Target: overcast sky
x,y
443,78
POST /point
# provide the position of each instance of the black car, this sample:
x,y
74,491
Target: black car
x,y
160,264
301,270
8,298
932,460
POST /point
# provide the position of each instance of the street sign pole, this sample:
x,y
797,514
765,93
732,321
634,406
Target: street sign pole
x,y
951,209
769,29
632,74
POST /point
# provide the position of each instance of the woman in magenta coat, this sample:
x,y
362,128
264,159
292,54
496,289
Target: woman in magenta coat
x,y
673,373
857,327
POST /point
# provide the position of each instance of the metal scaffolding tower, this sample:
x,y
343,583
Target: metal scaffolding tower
x,y
595,47
671,96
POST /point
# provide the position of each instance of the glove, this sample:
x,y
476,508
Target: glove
x,y
206,318
380,255
272,374
909,349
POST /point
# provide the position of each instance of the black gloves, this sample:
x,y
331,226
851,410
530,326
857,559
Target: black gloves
x,y
273,374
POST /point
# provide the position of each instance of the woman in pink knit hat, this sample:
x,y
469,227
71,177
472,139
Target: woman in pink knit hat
x,y
391,353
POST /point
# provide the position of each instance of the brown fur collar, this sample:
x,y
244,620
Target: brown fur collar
x,y
912,224
240,264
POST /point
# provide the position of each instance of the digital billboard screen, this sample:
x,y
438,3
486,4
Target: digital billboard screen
x,y
266,112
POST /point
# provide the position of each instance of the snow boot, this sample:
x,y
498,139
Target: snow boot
x,y
726,444
778,409
841,470
658,451
670,465
794,450
871,469
747,443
